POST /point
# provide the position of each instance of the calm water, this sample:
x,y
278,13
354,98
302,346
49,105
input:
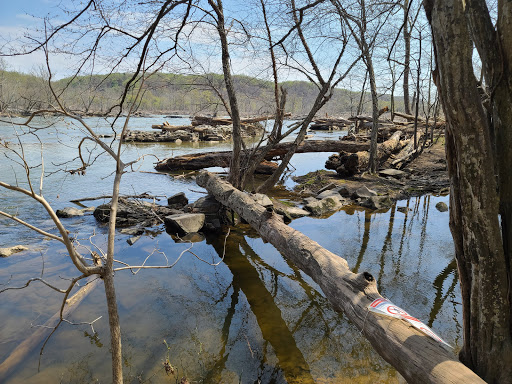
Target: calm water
x,y
253,318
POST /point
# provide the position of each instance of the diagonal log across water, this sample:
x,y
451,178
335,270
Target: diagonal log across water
x,y
221,159
417,357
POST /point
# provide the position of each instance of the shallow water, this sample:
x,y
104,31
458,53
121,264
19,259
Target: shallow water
x,y
253,317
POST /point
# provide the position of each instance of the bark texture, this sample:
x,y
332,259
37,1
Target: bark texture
x,y
482,252
416,356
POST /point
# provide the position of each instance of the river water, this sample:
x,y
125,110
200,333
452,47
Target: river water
x,y
252,318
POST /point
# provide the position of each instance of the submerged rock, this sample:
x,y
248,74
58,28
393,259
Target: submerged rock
x,y
441,207
6,252
69,212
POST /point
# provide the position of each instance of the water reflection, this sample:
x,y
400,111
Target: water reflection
x,y
273,328
255,317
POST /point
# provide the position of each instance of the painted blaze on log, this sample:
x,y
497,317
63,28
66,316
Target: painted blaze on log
x,y
416,356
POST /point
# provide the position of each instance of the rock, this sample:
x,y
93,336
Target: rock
x,y
328,193
326,205
133,240
310,199
344,191
206,205
441,207
6,252
327,187
397,174
363,192
295,212
212,225
262,199
377,202
178,199
178,141
132,231
69,212
185,223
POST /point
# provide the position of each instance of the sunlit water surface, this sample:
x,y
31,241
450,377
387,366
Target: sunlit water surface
x,y
252,318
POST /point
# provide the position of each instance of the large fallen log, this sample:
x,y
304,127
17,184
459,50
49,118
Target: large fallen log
x,y
221,159
418,358
200,120
36,338
349,164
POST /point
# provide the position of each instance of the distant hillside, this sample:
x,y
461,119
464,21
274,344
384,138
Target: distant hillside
x,y
171,93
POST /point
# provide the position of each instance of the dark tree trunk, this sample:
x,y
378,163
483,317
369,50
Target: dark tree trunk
x,y
482,251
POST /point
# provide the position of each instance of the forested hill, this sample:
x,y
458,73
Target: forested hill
x,y
170,93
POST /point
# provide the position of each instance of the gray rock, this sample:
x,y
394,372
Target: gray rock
x,y
363,192
310,199
377,202
185,223
327,187
178,199
133,240
262,199
321,207
206,205
328,193
295,212
397,174
6,252
344,191
441,207
69,212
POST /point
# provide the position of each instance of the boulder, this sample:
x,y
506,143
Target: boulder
x,y
441,207
328,193
6,252
377,202
206,205
344,191
178,199
185,223
69,212
326,205
363,192
327,187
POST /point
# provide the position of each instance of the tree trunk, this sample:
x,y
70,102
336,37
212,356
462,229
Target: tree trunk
x,y
372,163
482,254
235,166
221,159
407,56
416,356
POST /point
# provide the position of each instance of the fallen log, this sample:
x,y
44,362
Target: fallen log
x,y
347,165
205,120
221,159
36,338
408,117
418,358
